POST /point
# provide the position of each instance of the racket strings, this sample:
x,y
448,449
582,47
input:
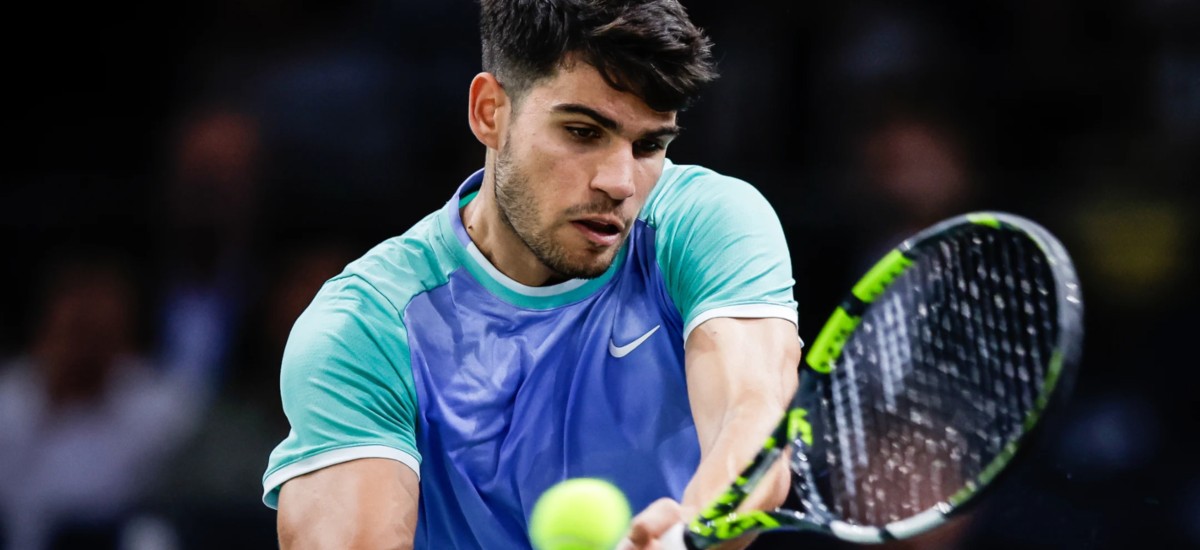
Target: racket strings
x,y
942,374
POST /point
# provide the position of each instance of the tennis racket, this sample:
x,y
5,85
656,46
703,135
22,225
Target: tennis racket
x,y
921,388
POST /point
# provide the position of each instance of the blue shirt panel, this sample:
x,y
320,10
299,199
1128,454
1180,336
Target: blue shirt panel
x,y
514,400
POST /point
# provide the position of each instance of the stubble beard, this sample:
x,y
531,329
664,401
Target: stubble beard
x,y
519,211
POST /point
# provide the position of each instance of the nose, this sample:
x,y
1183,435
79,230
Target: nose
x,y
614,174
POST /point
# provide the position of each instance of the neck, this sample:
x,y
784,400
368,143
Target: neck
x,y
497,240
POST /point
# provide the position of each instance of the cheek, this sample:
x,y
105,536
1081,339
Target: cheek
x,y
645,178
547,175
556,170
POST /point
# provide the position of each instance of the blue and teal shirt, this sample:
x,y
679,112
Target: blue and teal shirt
x,y
492,391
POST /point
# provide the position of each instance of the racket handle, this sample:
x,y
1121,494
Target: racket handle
x,y
673,539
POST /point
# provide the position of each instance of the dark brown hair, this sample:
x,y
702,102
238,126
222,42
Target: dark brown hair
x,y
646,47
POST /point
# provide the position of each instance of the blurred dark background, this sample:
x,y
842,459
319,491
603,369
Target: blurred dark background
x,y
182,177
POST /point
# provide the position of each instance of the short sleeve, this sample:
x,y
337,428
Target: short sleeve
x,y
347,386
720,247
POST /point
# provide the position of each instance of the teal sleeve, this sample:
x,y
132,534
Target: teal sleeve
x,y
720,247
346,384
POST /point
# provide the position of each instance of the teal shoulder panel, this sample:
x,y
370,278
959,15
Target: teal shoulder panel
x,y
346,377
720,246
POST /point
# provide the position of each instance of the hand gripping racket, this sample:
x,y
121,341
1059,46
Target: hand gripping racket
x,y
921,388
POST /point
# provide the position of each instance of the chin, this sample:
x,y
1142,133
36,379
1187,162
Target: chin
x,y
579,259
589,266
590,270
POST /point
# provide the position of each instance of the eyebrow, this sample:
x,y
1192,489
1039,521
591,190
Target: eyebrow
x,y
612,125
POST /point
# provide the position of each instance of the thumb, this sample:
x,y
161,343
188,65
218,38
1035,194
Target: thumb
x,y
650,524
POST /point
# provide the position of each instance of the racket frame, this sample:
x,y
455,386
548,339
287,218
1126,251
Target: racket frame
x,y
720,521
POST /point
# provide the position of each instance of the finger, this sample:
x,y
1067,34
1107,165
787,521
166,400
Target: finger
x,y
673,538
654,521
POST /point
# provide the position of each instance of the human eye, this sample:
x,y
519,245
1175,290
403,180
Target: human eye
x,y
648,147
582,133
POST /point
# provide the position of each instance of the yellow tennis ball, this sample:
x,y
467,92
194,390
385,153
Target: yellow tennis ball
x,y
579,514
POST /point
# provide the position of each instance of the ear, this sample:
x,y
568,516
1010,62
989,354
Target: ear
x,y
488,112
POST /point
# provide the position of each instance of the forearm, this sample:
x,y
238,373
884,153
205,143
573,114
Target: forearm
x,y
740,436
742,373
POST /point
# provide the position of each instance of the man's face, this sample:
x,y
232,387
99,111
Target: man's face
x,y
576,165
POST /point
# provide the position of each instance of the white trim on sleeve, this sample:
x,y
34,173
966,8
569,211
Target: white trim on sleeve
x,y
745,311
337,456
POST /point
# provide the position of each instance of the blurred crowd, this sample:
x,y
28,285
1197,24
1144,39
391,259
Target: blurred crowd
x,y
179,189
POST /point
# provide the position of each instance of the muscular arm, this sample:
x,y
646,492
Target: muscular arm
x,y
368,503
741,373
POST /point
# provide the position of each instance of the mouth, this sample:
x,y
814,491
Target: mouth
x,y
602,231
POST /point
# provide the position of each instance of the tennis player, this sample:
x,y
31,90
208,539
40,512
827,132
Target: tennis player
x,y
579,307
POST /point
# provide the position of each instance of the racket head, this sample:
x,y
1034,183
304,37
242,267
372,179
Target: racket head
x,y
934,373
923,385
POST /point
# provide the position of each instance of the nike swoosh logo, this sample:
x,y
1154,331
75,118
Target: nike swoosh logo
x,y
622,351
